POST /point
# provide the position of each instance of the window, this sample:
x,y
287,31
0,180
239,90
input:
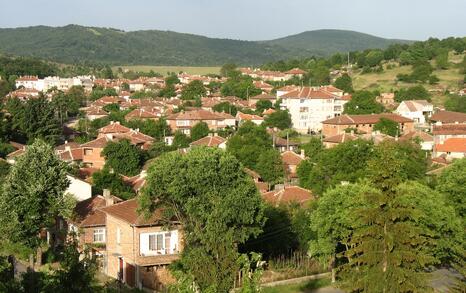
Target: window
x,y
156,242
99,235
88,152
182,122
301,101
118,235
303,109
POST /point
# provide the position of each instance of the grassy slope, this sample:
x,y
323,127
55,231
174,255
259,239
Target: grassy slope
x,y
386,81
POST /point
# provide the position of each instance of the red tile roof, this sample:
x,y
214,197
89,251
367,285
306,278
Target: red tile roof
x,y
244,116
449,129
340,138
195,115
288,195
97,143
141,114
449,117
114,127
365,119
127,211
295,71
417,134
210,141
309,93
291,158
454,145
87,212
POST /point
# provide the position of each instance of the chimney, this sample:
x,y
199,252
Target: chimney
x,y
302,154
108,197
111,122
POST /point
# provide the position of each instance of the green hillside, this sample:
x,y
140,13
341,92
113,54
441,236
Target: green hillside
x,y
327,41
73,43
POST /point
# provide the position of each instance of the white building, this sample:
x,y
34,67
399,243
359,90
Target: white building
x,y
417,110
63,84
30,82
309,106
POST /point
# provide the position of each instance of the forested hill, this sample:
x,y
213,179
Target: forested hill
x,y
73,43
327,41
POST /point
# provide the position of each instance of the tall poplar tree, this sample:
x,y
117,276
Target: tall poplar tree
x,y
388,247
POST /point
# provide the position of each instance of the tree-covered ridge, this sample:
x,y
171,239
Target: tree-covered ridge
x,y
73,43
317,42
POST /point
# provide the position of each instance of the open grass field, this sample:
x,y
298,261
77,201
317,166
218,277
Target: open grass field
x,y
305,287
386,80
165,69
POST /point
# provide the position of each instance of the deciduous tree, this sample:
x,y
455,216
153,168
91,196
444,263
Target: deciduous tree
x,y
123,157
210,194
33,194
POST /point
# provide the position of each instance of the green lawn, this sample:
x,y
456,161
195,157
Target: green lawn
x,y
305,287
164,69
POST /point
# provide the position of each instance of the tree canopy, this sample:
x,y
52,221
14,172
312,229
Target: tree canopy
x,y
387,126
123,157
280,119
363,102
248,143
33,194
194,89
210,194
199,130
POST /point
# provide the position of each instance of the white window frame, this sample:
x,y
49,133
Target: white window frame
x,y
100,233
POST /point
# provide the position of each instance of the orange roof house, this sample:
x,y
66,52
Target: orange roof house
x,y
288,195
112,128
291,160
142,114
448,117
139,249
363,123
184,121
453,148
211,141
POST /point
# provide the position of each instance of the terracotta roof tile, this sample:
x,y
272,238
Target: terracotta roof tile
x,y
114,127
291,158
340,138
288,195
365,119
210,141
449,117
97,143
449,129
309,93
127,211
454,145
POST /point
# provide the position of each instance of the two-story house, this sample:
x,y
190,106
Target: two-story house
x,y
417,110
139,249
185,120
363,123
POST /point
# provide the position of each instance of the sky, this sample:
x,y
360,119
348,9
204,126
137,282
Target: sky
x,y
248,19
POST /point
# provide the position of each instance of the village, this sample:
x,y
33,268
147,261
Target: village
x,y
137,250
233,146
